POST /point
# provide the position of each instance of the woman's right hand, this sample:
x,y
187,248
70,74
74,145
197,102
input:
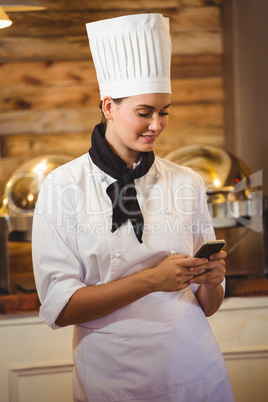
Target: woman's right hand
x,y
174,273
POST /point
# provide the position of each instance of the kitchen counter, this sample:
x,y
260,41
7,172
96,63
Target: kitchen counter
x,y
244,287
23,297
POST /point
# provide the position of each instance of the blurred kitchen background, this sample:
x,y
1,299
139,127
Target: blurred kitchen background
x,y
49,101
49,95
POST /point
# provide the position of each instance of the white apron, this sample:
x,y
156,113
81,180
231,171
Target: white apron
x,y
159,348
176,360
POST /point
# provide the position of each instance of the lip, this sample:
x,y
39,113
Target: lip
x,y
149,138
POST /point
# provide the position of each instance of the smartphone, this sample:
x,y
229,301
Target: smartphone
x,y
209,247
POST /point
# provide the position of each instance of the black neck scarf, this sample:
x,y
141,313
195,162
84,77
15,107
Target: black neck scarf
x,y
122,192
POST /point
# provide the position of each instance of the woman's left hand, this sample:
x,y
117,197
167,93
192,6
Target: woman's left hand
x,y
214,271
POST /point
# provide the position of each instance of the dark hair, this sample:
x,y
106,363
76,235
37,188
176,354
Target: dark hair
x,y
117,101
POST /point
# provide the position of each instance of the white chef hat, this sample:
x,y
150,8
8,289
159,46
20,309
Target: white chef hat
x,y
131,54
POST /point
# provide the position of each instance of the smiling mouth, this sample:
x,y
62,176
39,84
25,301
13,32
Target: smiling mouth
x,y
150,137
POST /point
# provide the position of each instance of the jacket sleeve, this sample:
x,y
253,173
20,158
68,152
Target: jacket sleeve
x,y
56,264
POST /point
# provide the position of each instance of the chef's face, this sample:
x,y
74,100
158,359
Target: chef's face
x,y
135,123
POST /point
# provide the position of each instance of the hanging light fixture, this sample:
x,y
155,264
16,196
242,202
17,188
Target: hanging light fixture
x,y
16,6
4,20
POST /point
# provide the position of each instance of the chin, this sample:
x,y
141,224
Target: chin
x,y
146,149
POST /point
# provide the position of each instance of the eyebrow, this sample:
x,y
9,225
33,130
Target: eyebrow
x,y
152,107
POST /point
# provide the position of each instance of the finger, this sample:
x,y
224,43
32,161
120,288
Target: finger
x,y
206,278
199,265
210,276
177,256
218,256
195,262
200,272
216,265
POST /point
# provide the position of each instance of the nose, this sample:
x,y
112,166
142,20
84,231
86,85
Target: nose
x,y
155,125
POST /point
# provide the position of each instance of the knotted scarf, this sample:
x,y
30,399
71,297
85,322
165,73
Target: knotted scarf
x,y
122,192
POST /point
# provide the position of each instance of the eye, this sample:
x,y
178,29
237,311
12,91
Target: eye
x,y
164,113
143,114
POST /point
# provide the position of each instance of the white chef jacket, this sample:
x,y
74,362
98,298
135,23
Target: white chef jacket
x,y
159,348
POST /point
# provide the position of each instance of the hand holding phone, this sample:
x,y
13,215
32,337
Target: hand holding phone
x,y
209,247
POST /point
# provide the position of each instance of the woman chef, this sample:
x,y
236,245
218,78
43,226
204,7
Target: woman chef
x,y
114,233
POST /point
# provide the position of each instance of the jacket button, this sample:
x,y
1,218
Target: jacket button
x,y
172,252
118,255
156,176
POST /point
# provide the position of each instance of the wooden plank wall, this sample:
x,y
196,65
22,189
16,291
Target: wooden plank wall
x,y
48,91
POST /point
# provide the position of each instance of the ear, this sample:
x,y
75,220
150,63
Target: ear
x,y
107,107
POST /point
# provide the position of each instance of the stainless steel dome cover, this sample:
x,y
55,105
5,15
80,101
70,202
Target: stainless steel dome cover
x,y
227,180
22,188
